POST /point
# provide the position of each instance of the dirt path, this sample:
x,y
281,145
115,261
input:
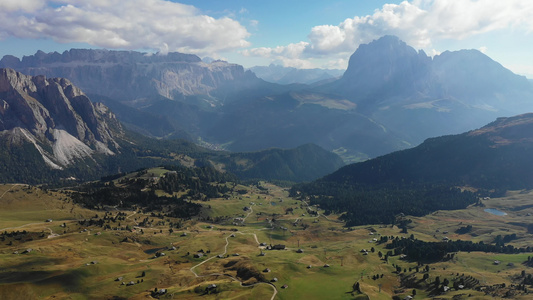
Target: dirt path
x,y
52,234
275,290
12,186
18,227
318,215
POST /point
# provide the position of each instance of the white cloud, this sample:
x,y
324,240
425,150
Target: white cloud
x,y
483,49
340,63
20,5
254,23
295,63
132,24
433,53
420,23
290,51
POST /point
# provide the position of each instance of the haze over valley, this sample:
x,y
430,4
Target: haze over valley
x,y
206,151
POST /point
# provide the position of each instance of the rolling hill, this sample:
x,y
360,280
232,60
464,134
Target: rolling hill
x,y
423,179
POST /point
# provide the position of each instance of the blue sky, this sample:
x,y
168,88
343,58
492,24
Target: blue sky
x,y
304,34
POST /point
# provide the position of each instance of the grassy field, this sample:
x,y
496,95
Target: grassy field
x,y
72,261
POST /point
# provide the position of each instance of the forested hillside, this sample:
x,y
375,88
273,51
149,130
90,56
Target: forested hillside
x,y
418,181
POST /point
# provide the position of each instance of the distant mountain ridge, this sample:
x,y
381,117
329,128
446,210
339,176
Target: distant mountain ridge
x,y
288,75
391,97
407,91
131,75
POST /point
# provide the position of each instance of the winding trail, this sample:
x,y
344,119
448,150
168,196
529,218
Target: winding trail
x,y
275,290
12,186
29,224
52,234
318,215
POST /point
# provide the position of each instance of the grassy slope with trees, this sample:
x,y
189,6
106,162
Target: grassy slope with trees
x,y
423,179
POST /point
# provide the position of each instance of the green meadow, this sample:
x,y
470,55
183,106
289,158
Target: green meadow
x,y
69,260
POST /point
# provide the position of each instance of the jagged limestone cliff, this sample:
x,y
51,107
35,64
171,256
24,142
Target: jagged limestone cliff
x,y
56,117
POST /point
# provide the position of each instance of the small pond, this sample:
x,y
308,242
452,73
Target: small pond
x,y
154,250
495,211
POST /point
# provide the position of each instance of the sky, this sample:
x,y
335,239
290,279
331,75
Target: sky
x,y
301,34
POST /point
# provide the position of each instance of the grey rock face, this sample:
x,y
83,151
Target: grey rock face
x,y
53,113
130,75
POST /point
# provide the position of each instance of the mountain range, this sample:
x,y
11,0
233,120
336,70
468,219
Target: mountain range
x,y
51,125
287,75
391,97
421,97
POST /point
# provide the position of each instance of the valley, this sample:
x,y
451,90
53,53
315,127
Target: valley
x,y
54,246
180,149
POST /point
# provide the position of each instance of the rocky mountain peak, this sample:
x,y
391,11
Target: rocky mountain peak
x,y
384,65
53,113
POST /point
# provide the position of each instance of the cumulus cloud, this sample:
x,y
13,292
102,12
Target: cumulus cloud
x,y
20,5
133,24
419,23
289,51
289,55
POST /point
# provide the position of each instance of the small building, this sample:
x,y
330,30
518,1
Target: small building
x,y
284,286
300,251
274,279
278,247
309,266
326,266
198,255
267,270
497,262
184,234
